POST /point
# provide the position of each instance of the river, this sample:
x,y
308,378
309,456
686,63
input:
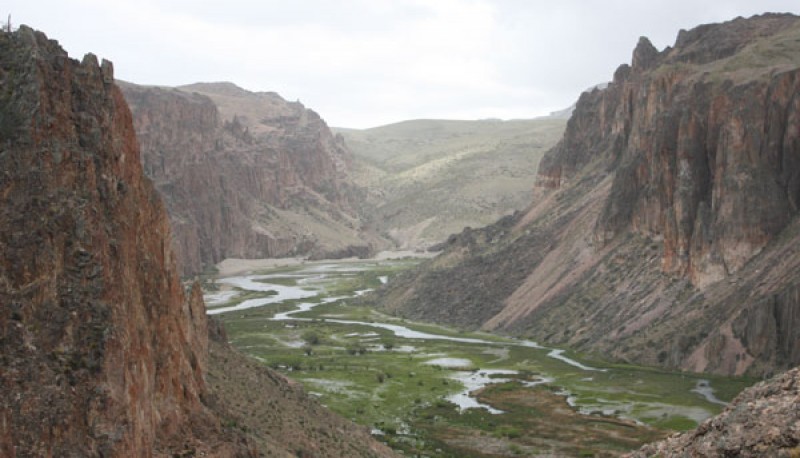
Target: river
x,y
311,284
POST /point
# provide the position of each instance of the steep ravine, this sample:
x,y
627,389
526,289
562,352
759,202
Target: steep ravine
x,y
102,352
665,228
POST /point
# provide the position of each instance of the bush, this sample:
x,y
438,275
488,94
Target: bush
x,y
507,431
310,337
355,349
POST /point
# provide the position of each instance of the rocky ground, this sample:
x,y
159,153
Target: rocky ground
x,y
762,421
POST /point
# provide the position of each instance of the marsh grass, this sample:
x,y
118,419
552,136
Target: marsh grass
x,y
394,389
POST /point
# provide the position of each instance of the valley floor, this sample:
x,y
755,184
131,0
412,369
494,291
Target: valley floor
x,y
429,389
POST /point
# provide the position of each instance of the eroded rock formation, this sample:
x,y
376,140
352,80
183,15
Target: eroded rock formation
x,y
665,227
246,175
102,352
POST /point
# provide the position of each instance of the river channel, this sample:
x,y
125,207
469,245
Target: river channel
x,y
306,288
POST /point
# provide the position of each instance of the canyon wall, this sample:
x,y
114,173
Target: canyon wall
x,y
247,175
664,229
102,351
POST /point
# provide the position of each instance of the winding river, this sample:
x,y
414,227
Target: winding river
x,y
311,284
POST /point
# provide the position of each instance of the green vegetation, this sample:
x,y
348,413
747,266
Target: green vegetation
x,y
376,378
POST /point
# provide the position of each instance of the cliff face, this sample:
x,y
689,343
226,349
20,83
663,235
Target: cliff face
x,y
246,175
704,144
665,226
102,352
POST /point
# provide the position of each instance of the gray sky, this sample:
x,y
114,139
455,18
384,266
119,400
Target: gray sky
x,y
363,63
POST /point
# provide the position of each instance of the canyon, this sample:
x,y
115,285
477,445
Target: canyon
x,y
247,175
664,230
104,351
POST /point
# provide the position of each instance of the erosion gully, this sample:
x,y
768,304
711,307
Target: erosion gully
x,y
431,390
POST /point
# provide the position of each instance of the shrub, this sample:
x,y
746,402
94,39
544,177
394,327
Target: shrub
x,y
310,337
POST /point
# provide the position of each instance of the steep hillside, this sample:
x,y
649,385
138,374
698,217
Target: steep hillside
x,y
102,353
246,175
428,179
665,230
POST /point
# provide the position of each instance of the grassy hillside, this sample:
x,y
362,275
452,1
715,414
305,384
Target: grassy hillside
x,y
428,179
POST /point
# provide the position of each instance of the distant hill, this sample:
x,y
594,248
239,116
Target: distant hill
x,y
429,178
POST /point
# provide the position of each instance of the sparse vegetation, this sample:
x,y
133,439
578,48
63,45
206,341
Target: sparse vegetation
x,y
431,178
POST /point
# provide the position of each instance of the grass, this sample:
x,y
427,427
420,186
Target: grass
x,y
394,390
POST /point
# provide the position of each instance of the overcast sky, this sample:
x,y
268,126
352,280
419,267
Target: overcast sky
x,y
363,63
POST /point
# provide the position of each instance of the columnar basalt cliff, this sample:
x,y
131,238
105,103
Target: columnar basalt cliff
x,y
665,225
102,352
246,175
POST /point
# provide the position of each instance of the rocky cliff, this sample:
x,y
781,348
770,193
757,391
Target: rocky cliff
x,y
247,175
102,352
665,227
762,421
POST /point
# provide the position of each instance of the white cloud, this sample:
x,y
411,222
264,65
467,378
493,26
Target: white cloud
x,y
367,62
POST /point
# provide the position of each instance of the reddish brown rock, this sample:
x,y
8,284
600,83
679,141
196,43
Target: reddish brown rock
x,y
102,352
665,228
247,175
705,155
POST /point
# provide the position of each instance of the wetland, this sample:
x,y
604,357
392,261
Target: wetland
x,y
432,390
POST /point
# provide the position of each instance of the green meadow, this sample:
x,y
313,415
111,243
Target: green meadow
x,y
402,385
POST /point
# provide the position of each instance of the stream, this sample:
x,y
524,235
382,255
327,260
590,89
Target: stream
x,y
311,285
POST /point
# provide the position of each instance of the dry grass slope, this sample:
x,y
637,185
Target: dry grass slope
x,y
428,179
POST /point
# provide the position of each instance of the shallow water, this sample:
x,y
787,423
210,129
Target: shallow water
x,y
474,381
703,388
250,283
311,283
450,362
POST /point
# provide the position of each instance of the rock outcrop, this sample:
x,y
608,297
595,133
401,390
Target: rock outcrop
x,y
246,175
665,226
764,420
102,351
